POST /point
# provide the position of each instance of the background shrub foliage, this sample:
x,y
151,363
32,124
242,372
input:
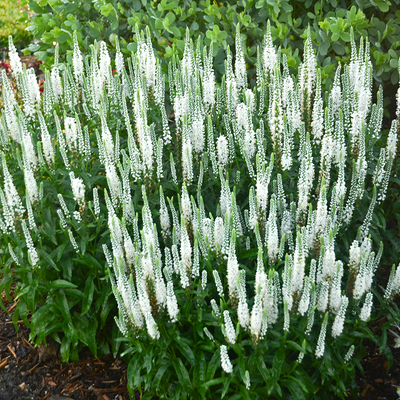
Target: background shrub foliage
x,y
14,21
330,24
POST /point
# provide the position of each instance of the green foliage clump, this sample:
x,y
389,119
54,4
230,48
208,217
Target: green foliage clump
x,y
14,21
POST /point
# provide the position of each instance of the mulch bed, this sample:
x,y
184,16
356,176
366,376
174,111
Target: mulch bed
x,y
33,373
377,382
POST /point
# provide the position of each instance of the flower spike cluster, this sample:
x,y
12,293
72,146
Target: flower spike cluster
x,y
233,185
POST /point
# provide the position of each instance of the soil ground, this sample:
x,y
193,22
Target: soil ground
x,y
29,373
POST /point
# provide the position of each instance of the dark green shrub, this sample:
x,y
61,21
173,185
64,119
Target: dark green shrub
x,y
330,24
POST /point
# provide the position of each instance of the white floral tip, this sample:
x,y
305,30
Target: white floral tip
x,y
247,377
225,361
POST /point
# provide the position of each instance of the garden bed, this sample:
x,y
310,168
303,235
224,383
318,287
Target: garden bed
x,y
37,373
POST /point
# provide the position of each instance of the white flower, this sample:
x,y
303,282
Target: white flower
x,y
337,327
243,308
366,308
249,143
329,264
225,361
34,91
233,272
31,185
355,255
105,62
349,354
392,141
319,352
198,134
78,189
335,294
219,232
256,315
323,296
172,304
186,204
77,61
242,118
151,325
229,328
269,54
34,258
56,84
298,268
209,89
77,216
15,61
222,151
71,133
218,284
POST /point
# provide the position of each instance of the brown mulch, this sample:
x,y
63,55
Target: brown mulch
x,y
379,383
33,373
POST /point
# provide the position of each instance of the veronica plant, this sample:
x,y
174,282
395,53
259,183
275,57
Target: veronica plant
x,y
238,223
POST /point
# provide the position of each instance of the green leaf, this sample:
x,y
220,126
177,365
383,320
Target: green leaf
x,y
335,36
182,374
58,252
47,257
160,374
294,389
213,382
159,24
170,17
61,283
345,36
87,295
394,63
136,5
185,349
84,240
176,32
323,48
214,363
171,6
393,54
30,297
383,6
225,387
133,373
91,336
107,306
199,374
92,262
262,368
338,48
63,306
294,345
279,358
65,349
